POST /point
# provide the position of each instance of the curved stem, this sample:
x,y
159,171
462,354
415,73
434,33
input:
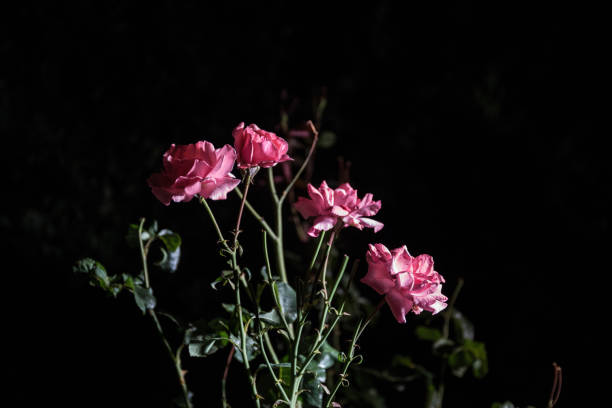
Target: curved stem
x,y
246,191
257,216
448,313
143,253
315,133
351,356
175,358
278,207
214,221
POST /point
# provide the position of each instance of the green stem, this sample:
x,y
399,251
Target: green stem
x,y
238,277
214,221
320,340
246,191
175,358
297,379
143,253
351,356
257,216
277,381
328,300
316,253
278,208
243,330
315,133
448,313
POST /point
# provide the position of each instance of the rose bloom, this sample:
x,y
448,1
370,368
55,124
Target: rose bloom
x,y
408,283
195,169
327,207
257,147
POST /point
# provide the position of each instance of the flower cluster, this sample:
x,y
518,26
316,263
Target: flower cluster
x,y
200,169
408,283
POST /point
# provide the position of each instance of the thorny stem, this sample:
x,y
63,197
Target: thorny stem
x,y
351,356
243,330
237,273
297,378
176,358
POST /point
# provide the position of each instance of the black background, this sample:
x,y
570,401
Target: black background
x,y
475,124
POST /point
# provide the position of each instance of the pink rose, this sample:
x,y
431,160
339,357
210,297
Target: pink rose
x,y
408,283
327,207
195,169
256,147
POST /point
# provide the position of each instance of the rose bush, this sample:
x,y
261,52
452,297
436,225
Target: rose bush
x,y
195,169
327,207
408,283
257,147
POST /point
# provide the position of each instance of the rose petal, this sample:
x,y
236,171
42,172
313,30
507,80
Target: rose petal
x,y
217,189
398,304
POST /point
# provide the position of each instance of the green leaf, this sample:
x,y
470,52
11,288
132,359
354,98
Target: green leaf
x,y
313,394
463,328
442,346
271,318
171,240
204,339
225,278
153,228
471,354
329,356
480,366
252,349
144,298
171,251
202,346
287,300
459,361
427,333
98,276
